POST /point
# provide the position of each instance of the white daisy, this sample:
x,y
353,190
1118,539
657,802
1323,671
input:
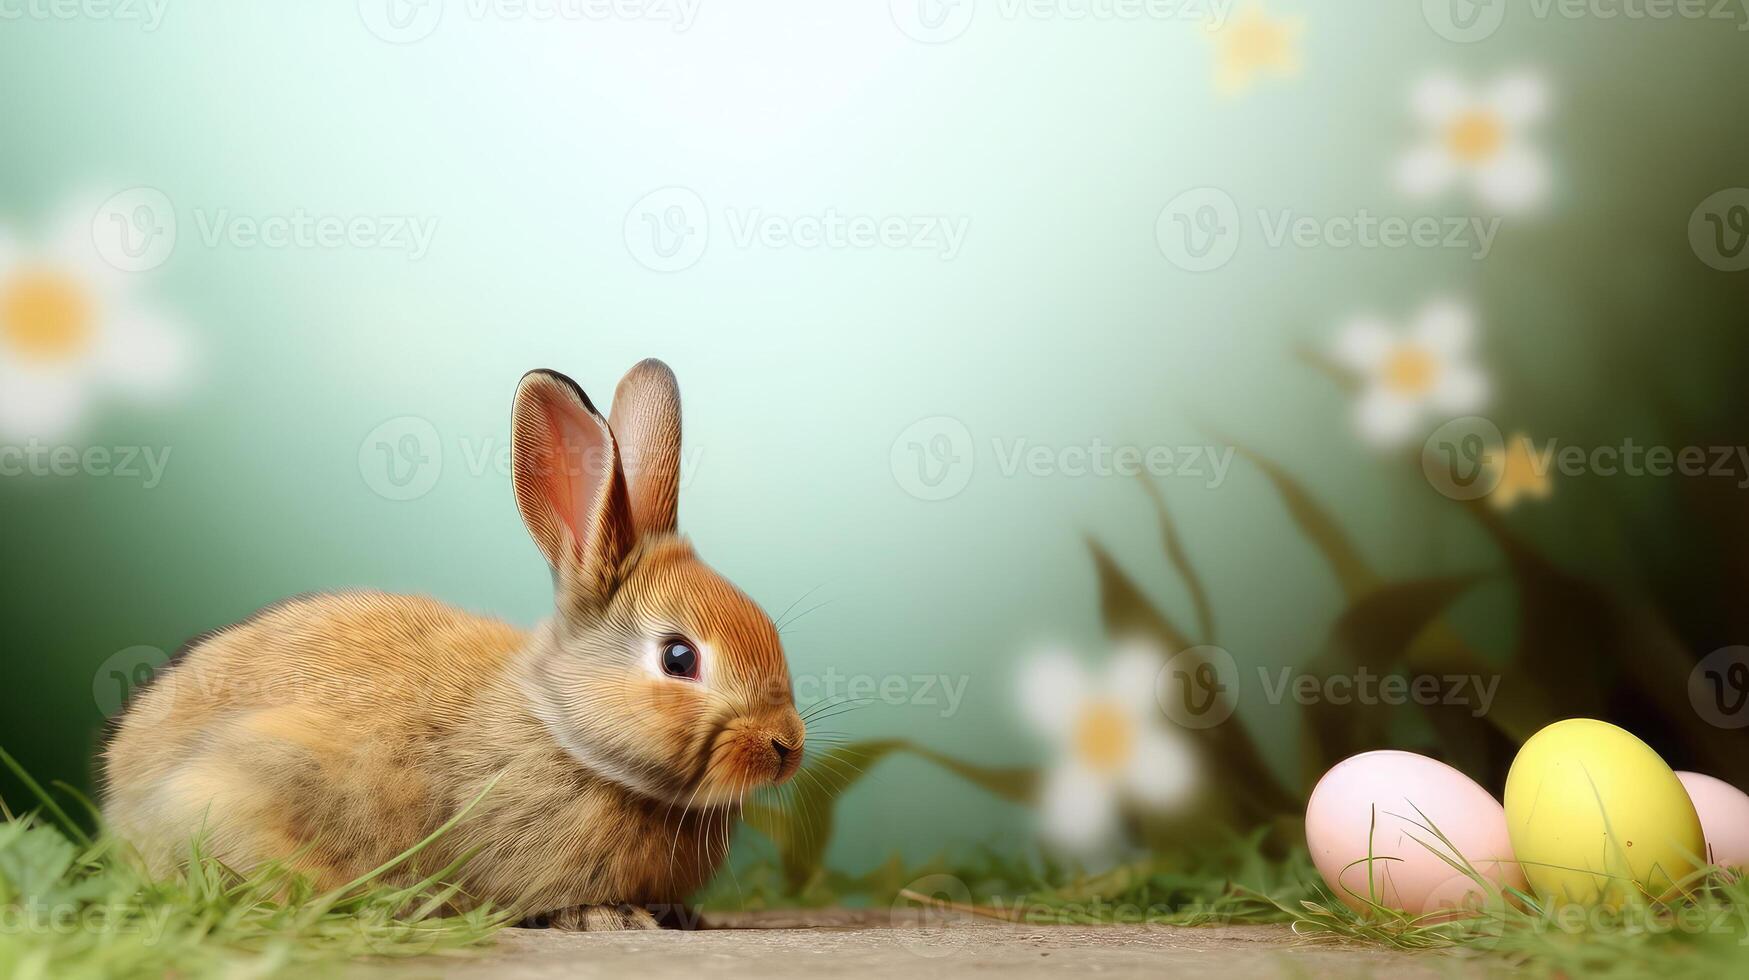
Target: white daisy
x,y
1114,746
67,326
1480,137
1408,375
1253,44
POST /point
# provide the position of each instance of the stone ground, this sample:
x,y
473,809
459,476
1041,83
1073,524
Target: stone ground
x,y
858,943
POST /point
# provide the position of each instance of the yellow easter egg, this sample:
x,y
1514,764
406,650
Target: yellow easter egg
x,y
1596,817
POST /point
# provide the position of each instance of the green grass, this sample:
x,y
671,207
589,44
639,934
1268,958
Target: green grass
x,y
1234,882
73,905
1700,931
1706,935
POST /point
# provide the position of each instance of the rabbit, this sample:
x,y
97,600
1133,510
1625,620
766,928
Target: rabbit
x,y
334,732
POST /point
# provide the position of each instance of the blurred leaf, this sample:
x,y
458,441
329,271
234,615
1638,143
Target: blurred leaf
x,y
1319,527
1375,630
1480,747
1484,745
1578,641
1245,786
1658,667
1401,624
1127,613
1322,363
801,825
768,820
1561,622
1520,705
1332,732
1205,616
1016,785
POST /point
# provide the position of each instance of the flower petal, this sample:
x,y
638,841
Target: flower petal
x,y
72,245
1427,169
142,354
1519,99
1053,684
1079,808
1437,99
1162,771
1363,344
1514,180
41,405
1445,328
1130,679
1461,388
1386,418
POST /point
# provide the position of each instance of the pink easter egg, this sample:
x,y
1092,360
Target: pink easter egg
x,y
1724,818
1388,803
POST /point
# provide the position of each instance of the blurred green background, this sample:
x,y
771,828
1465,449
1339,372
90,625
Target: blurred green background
x,y
532,142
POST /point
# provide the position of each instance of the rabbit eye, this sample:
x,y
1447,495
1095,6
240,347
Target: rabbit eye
x,y
679,659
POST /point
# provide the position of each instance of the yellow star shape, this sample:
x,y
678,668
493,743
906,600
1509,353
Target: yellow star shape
x,y
1252,44
1522,472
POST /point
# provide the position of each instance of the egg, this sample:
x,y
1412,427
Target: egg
x,y
1384,804
1596,816
1724,818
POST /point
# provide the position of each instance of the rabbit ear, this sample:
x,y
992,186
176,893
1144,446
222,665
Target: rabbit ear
x,y
565,469
646,421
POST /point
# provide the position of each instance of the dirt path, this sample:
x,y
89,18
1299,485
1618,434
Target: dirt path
x,y
812,945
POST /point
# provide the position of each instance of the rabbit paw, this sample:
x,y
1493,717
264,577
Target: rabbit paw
x,y
595,918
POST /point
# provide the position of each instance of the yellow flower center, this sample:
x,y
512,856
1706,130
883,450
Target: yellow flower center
x,y
1256,43
1410,371
45,315
1103,736
1475,136
1522,473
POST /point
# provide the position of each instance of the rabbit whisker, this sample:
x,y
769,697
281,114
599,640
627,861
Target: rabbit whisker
x,y
798,600
839,710
798,616
827,703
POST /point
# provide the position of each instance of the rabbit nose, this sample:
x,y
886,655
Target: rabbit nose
x,y
788,755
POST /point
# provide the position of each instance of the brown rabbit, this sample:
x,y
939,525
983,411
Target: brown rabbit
x,y
337,731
